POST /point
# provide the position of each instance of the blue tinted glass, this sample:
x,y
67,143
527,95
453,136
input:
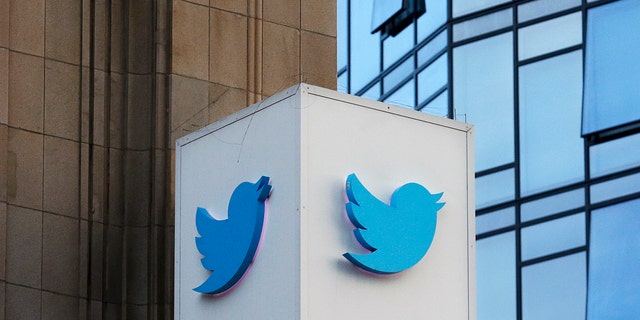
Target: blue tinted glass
x,y
483,94
615,188
342,33
555,289
612,67
553,236
540,8
365,47
495,188
496,277
383,10
398,46
482,25
438,106
431,20
495,220
614,261
432,48
551,35
461,7
404,97
552,204
432,78
373,93
551,147
342,82
398,74
615,155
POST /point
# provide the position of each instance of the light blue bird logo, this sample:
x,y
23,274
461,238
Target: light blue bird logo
x,y
229,246
399,234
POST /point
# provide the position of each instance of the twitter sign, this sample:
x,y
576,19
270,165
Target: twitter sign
x,y
229,246
399,234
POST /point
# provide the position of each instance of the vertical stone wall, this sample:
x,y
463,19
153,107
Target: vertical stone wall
x,y
93,94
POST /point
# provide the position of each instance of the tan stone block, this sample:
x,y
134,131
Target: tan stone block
x,y
190,47
62,100
86,30
84,181
3,242
22,302
99,196
55,306
4,144
97,260
228,49
159,186
62,30
60,254
137,250
139,111
140,31
26,91
286,12
26,26
4,31
230,5
137,188
113,266
319,16
99,107
61,180
4,85
24,246
3,290
25,169
117,110
189,97
101,27
161,116
116,187
318,59
118,36
281,60
200,2
225,101
85,92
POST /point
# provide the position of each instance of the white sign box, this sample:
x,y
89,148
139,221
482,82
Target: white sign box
x,y
308,140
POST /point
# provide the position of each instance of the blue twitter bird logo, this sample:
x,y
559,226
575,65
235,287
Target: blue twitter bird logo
x,y
398,235
229,246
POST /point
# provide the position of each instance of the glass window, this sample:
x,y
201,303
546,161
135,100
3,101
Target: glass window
x,y
614,261
495,188
461,7
551,35
551,149
398,46
365,47
431,20
552,204
438,106
398,74
496,280
495,220
342,82
432,78
555,289
614,155
482,25
342,33
373,93
383,10
432,48
612,67
615,188
483,93
553,236
404,97
540,8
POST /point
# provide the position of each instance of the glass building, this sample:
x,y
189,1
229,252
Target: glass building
x,y
553,89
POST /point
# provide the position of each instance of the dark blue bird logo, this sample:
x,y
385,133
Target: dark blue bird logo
x,y
399,234
229,246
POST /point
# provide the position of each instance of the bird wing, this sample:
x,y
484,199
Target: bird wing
x,y
368,214
212,233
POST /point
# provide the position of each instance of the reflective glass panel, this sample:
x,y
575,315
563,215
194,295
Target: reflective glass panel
x,y
461,7
555,289
615,155
342,33
551,148
342,82
495,220
373,93
552,204
438,106
495,188
398,74
431,20
496,277
553,236
432,48
536,9
551,35
612,67
614,261
365,47
482,25
432,78
404,97
398,46
483,94
615,188
383,10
